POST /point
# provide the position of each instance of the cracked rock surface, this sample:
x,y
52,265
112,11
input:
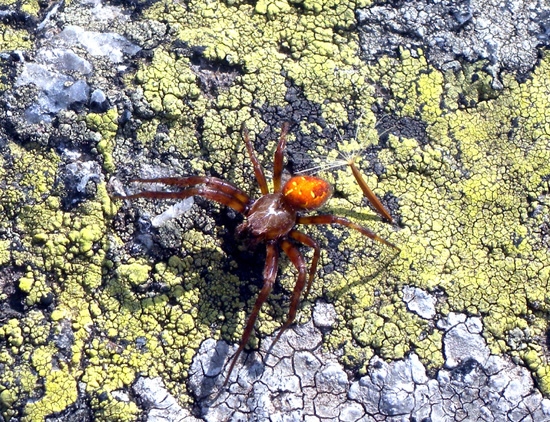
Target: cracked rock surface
x,y
159,404
128,310
299,381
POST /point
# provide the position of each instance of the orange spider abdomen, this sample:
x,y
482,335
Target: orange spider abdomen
x,y
306,192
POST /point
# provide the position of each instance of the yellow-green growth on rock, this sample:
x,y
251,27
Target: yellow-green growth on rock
x,y
106,124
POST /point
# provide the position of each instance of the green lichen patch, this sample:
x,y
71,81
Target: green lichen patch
x,y
324,65
4,252
13,39
31,7
63,254
92,316
471,201
106,124
60,388
464,195
469,227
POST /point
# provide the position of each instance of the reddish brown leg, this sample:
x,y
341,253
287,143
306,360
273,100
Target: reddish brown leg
x,y
369,194
278,161
255,163
298,260
213,182
204,191
308,241
270,273
333,219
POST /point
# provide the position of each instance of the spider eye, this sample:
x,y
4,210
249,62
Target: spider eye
x,y
306,192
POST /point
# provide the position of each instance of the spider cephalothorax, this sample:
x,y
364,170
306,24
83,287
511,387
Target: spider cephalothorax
x,y
273,215
271,220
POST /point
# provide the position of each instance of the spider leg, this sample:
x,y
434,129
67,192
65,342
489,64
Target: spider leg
x,y
213,182
298,260
255,163
204,191
270,273
369,194
308,241
333,219
278,161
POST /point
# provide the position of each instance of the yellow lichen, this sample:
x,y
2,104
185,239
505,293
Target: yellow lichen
x,y
470,194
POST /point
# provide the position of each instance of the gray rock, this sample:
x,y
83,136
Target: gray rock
x,y
64,60
464,342
57,91
419,301
161,406
302,382
324,315
506,34
109,44
98,101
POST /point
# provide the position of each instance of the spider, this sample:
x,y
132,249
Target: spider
x,y
271,219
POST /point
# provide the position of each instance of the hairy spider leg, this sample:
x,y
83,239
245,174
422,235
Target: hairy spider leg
x,y
350,161
204,191
369,194
308,241
333,219
278,160
258,171
298,261
270,274
213,182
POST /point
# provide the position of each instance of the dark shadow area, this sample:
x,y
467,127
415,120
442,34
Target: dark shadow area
x,y
381,267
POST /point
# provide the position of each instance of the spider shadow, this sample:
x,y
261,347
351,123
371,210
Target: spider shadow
x,y
252,362
143,299
356,215
337,293
211,295
364,219
379,270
